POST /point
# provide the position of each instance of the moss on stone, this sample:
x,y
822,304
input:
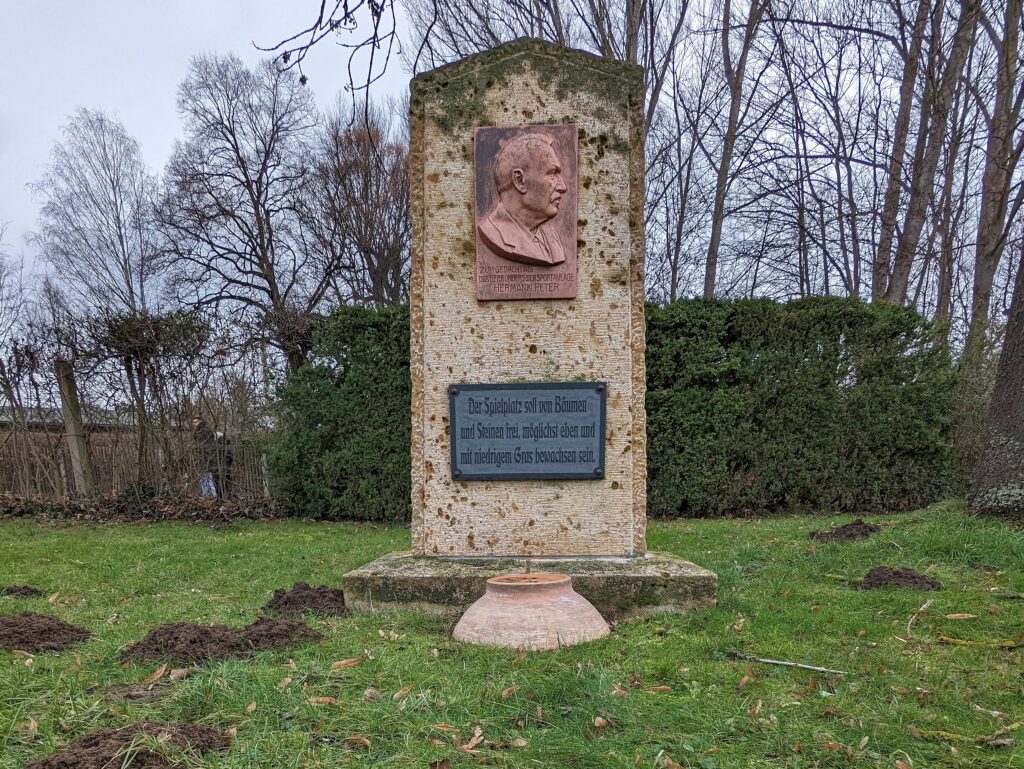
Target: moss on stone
x,y
457,90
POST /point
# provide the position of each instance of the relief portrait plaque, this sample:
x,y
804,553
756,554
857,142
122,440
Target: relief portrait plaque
x,y
525,185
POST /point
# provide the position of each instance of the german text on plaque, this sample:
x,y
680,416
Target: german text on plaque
x,y
527,431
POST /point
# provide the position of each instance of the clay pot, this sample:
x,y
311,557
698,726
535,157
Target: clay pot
x,y
530,611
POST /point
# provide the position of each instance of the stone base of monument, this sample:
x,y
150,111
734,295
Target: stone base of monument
x,y
620,587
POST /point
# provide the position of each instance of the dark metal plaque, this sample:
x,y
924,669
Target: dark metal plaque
x,y
525,190
527,431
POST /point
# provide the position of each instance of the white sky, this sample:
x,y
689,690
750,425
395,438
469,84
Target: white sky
x,y
126,58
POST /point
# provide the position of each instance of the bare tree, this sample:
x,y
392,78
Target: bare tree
x,y
1002,155
230,191
97,232
735,73
354,207
95,220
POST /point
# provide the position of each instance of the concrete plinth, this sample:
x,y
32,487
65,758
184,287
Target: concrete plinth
x,y
620,587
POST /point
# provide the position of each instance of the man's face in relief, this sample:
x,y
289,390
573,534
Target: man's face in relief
x,y
541,185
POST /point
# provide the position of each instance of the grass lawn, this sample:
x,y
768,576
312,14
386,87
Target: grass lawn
x,y
776,599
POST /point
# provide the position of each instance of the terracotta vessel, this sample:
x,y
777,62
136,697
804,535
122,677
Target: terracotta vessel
x,y
530,611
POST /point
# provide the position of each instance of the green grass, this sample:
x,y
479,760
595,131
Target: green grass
x,y
775,600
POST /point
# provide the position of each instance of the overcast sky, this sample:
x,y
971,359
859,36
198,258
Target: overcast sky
x,y
127,58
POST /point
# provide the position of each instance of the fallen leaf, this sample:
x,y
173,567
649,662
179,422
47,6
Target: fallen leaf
x,y
737,626
283,683
179,674
372,694
475,740
901,765
961,616
617,691
231,733
993,713
863,742
999,742
250,707
290,665
446,727
342,664
600,723
155,676
519,742
30,726
402,693
53,598
509,692
661,688
442,763
815,609
357,739
322,701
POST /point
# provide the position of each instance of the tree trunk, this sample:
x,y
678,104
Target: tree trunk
x,y
924,175
998,487
734,79
894,183
1000,162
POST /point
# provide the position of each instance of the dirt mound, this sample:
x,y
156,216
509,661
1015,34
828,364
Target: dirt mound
x,y
20,591
33,632
856,530
303,599
150,745
185,643
883,576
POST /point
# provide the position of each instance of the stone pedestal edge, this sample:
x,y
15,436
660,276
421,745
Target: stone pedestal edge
x,y
620,587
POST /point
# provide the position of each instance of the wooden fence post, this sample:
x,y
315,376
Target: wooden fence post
x,y
81,465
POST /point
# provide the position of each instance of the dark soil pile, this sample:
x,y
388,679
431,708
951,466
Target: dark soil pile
x,y
303,599
883,576
856,530
185,643
108,747
33,632
20,591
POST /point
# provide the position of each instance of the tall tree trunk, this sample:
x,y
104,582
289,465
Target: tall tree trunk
x,y
894,182
1000,163
734,79
998,487
924,175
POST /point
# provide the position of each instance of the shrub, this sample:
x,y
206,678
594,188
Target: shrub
x,y
753,407
820,404
341,450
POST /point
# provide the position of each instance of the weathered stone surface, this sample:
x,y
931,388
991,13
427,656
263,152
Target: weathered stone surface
x,y
620,588
599,336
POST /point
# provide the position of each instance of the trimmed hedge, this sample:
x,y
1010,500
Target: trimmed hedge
x,y
821,404
753,407
341,450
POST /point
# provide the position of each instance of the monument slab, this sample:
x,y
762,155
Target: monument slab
x,y
527,199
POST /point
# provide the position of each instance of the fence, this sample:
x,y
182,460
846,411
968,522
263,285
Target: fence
x,y
35,462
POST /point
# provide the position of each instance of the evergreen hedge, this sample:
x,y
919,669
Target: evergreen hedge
x,y
341,448
753,407
821,404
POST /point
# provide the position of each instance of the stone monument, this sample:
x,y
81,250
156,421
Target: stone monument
x,y
527,344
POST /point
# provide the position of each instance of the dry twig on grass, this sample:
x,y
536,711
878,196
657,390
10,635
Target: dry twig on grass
x,y
782,663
